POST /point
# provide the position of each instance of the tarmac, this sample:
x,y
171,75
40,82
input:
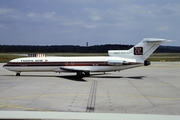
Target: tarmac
x,y
153,89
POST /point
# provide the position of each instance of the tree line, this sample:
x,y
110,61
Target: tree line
x,y
77,49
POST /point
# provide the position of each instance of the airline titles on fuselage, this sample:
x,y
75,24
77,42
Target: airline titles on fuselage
x,y
32,61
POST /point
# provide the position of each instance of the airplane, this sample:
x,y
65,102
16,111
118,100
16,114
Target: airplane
x,y
116,61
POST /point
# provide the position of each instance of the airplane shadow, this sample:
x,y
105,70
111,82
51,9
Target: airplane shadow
x,y
69,77
136,77
75,78
132,77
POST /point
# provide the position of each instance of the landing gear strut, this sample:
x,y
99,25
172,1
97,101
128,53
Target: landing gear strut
x,y
18,74
83,74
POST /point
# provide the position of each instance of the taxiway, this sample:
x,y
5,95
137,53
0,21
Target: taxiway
x,y
154,89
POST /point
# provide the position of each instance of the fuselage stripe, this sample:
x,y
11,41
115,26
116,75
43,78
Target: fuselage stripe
x,y
103,63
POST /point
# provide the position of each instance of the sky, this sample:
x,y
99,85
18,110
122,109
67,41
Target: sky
x,y
98,22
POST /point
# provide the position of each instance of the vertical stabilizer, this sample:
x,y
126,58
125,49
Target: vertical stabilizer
x,y
141,51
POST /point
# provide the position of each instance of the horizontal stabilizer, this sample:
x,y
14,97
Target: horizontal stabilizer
x,y
154,40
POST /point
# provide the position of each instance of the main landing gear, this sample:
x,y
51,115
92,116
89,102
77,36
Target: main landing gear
x,y
83,74
18,74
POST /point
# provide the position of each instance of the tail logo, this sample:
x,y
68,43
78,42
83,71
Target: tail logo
x,y
138,50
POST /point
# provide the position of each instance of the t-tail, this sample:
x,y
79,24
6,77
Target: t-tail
x,y
141,51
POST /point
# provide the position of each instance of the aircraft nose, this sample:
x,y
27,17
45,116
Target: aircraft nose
x,y
5,65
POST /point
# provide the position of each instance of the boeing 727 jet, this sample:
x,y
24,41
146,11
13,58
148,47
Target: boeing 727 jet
x,y
116,61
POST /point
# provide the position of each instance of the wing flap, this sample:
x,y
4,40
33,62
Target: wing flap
x,y
73,69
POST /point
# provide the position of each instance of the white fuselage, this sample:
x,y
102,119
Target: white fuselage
x,y
116,61
65,64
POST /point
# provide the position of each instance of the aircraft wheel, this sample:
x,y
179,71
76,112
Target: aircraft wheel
x,y
87,74
80,74
18,74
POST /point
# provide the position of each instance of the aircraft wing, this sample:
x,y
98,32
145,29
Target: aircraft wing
x,y
75,69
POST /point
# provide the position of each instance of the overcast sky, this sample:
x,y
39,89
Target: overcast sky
x,y
75,22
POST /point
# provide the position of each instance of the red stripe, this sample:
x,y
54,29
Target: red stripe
x,y
103,63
